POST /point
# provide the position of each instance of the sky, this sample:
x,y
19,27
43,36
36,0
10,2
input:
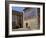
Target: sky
x,y
20,9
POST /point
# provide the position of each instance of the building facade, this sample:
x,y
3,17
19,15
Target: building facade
x,y
17,19
31,18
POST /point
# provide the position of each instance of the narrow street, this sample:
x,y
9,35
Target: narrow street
x,y
22,29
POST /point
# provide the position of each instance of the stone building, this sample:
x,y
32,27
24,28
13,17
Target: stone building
x,y
28,19
17,19
31,18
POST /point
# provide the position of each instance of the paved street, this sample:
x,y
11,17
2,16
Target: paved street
x,y
22,29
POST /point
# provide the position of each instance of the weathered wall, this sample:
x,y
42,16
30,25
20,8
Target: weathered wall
x,y
32,19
